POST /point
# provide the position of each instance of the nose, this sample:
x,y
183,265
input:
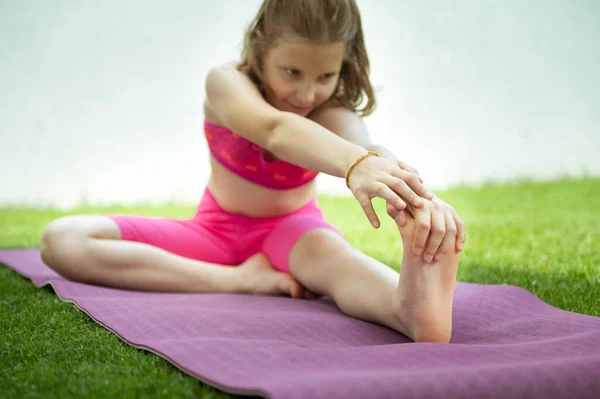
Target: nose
x,y
306,95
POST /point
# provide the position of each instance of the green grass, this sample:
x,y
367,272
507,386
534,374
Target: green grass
x,y
542,237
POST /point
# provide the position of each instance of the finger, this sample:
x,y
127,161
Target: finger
x,y
413,182
365,203
391,210
449,238
398,216
403,189
460,232
408,168
423,225
410,210
385,192
412,170
437,233
401,219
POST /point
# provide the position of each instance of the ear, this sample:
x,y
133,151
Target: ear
x,y
257,33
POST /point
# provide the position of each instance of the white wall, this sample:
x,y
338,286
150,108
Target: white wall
x,y
102,101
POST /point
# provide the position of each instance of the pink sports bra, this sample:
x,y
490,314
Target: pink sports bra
x,y
246,159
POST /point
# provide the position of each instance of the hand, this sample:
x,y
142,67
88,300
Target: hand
x,y
257,276
380,177
436,220
408,168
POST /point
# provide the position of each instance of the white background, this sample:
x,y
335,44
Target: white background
x,y
101,101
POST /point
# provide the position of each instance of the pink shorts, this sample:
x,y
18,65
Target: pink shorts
x,y
216,236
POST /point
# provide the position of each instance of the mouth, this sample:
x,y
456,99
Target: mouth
x,y
299,109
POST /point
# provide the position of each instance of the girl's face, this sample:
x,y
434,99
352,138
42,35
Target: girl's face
x,y
299,76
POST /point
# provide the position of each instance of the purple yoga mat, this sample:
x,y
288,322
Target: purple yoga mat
x,y
506,343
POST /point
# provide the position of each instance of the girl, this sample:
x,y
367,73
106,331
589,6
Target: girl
x,y
289,109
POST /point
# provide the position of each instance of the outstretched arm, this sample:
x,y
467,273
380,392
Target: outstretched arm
x,y
387,153
238,105
438,224
348,125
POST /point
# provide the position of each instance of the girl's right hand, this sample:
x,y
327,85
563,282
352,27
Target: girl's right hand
x,y
379,177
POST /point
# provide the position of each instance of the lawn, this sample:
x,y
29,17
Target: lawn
x,y
544,237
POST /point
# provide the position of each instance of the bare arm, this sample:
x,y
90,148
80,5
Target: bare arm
x,y
308,144
348,125
239,105
292,138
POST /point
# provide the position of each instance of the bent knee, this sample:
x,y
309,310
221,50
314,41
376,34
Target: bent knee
x,y
55,233
62,240
81,227
318,252
320,243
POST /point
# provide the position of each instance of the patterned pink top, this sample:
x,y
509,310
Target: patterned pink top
x,y
245,159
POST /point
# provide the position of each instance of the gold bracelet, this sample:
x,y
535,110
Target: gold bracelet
x,y
368,154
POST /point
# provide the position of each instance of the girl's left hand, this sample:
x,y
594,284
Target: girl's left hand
x,y
408,168
437,221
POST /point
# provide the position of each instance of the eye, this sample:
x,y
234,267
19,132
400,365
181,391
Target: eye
x,y
290,71
326,77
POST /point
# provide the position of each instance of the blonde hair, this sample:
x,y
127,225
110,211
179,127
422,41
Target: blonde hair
x,y
321,22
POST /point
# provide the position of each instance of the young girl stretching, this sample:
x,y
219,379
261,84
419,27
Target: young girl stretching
x,y
291,108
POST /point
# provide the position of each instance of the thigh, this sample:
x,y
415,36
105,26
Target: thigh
x,y
278,243
187,238
83,226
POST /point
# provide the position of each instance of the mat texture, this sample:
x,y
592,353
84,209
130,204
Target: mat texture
x,y
506,343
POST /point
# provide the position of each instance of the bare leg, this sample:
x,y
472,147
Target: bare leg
x,y
417,302
90,249
423,300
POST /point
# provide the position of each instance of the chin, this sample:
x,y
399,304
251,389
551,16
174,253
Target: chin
x,y
286,107
304,113
301,112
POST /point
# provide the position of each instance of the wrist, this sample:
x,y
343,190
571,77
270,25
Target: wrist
x,y
383,152
358,160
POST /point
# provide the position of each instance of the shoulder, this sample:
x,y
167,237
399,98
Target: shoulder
x,y
331,111
224,81
233,100
227,67
226,74
342,121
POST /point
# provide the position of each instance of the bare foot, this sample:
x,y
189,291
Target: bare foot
x,y
258,276
423,300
